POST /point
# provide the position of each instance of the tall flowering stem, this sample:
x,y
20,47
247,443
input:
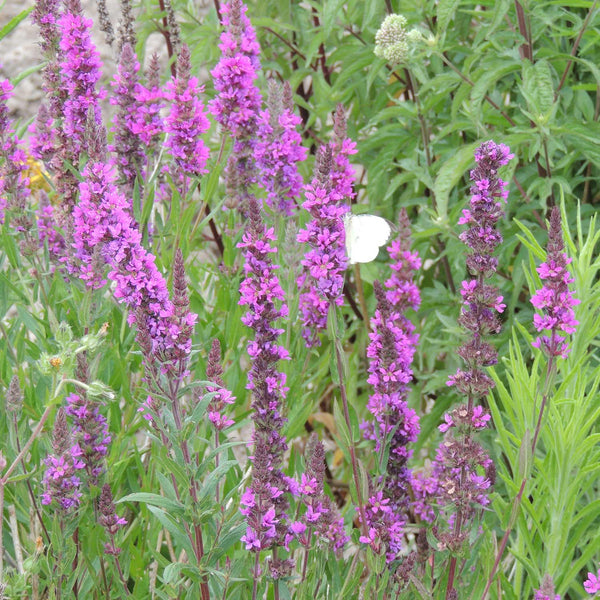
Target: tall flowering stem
x,y
390,352
265,501
279,149
237,104
322,279
462,468
320,518
556,301
186,122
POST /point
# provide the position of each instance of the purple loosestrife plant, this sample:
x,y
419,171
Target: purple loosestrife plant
x,y
555,300
130,156
320,517
237,103
463,471
102,221
265,501
278,151
322,279
186,122
342,148
45,15
80,73
391,352
109,520
61,481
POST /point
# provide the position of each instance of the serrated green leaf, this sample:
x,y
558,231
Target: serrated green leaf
x,y
445,12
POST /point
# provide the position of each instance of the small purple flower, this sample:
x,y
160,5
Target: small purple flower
x,y
592,583
555,299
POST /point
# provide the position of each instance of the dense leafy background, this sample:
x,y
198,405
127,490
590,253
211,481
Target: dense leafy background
x,y
524,74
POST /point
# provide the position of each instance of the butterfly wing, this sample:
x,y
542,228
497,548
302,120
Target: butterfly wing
x,y
364,235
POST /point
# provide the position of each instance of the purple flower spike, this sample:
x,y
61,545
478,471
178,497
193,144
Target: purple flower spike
x,y
278,151
91,433
14,180
61,482
109,520
322,280
555,299
321,516
130,155
265,501
186,121
237,103
463,472
222,396
81,70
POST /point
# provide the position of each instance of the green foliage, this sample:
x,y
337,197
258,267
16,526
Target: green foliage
x,y
476,71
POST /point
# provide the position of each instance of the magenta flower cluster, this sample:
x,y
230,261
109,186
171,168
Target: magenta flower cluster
x,y
237,103
319,516
80,69
264,503
103,224
62,483
186,121
222,396
90,430
130,155
322,279
327,200
109,519
555,299
238,100
395,425
279,150
592,583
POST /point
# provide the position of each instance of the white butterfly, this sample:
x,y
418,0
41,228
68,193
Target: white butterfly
x,y
364,235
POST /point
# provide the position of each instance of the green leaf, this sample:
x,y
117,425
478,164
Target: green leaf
x,y
14,22
445,12
340,422
451,172
171,506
